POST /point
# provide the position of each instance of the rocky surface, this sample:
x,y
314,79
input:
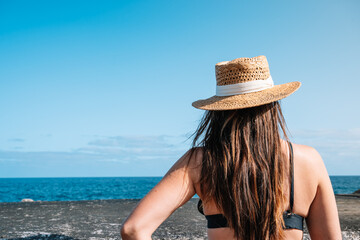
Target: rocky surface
x,y
101,219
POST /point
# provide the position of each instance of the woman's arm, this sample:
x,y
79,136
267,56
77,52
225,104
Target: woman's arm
x,y
174,190
323,219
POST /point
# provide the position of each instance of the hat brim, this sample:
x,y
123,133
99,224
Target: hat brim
x,y
247,100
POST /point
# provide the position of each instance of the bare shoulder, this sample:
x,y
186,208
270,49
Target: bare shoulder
x,y
309,161
307,153
317,194
190,163
309,170
195,158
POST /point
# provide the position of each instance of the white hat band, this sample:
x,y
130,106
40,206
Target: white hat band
x,y
244,87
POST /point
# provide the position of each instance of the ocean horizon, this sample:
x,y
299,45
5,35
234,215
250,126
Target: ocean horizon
x,y
102,188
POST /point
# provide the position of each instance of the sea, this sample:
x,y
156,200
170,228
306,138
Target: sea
x,y
96,188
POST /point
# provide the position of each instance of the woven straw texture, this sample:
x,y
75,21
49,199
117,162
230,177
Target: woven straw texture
x,y
244,70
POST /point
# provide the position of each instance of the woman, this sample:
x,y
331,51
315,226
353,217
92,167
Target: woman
x,y
252,184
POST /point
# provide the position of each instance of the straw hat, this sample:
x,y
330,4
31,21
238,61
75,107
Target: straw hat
x,y
244,83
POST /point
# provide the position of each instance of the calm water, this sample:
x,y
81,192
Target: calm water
x,y
65,189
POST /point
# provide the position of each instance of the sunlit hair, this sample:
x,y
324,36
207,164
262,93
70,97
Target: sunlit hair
x,y
243,169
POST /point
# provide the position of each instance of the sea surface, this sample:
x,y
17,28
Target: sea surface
x,y
72,189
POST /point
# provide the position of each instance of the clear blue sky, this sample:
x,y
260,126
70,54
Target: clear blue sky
x,y
104,88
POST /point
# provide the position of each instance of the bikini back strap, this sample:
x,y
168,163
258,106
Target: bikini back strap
x,y
291,176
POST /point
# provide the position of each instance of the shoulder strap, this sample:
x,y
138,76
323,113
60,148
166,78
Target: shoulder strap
x,y
200,207
291,176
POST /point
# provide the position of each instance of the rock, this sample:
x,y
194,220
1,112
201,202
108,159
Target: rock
x,y
27,200
357,192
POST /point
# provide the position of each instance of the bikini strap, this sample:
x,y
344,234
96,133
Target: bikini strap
x,y
200,207
291,176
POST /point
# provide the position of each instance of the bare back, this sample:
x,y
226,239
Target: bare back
x,y
313,195
313,198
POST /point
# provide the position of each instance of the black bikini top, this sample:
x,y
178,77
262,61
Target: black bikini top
x,y
291,220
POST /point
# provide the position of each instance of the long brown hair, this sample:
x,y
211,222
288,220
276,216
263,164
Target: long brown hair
x,y
243,169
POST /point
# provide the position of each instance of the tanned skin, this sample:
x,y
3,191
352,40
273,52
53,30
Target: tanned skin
x,y
314,198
